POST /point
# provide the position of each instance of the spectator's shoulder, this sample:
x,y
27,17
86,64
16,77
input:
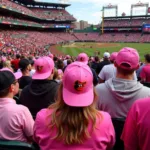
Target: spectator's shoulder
x,y
105,118
21,109
44,113
146,89
26,88
105,114
100,86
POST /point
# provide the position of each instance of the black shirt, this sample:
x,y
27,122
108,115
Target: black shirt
x,y
101,65
94,65
38,95
24,81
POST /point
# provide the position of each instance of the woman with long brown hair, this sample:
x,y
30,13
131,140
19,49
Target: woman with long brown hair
x,y
73,122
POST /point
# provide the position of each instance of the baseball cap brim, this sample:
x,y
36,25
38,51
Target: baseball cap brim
x,y
41,76
78,100
18,75
85,62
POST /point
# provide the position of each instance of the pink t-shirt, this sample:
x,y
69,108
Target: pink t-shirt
x,y
136,133
103,138
16,122
145,73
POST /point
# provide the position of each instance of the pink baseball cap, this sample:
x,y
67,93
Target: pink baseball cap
x,y
17,75
78,85
128,56
113,56
43,67
83,57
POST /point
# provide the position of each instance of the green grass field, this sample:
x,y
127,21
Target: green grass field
x,y
76,48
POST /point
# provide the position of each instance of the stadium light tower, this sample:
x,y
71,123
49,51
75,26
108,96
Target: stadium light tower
x,y
102,25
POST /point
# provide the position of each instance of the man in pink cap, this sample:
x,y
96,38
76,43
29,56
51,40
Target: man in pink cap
x,y
117,94
145,72
16,120
83,57
41,92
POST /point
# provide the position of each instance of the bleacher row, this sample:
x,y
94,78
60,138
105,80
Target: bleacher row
x,y
126,22
13,20
50,14
114,37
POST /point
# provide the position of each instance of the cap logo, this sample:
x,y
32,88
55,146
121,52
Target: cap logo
x,y
79,86
81,59
39,68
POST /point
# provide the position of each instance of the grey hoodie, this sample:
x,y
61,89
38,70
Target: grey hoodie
x,y
116,96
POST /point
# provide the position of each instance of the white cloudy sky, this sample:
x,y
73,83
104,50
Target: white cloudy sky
x,y
90,10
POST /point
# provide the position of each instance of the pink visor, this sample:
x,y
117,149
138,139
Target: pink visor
x,y
17,75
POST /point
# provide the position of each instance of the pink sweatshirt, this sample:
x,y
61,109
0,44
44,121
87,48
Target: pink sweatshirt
x,y
102,139
136,133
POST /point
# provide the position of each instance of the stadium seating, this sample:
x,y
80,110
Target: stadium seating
x,y
133,37
53,14
37,40
20,8
14,20
66,36
119,37
107,37
28,40
49,14
145,38
126,22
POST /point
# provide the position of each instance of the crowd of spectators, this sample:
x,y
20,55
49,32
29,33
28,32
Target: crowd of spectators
x,y
74,103
113,37
53,14
22,41
83,95
145,38
17,7
17,20
35,40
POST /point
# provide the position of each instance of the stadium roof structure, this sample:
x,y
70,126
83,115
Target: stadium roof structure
x,y
124,17
38,3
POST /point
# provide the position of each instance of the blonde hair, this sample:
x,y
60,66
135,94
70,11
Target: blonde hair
x,y
7,64
72,122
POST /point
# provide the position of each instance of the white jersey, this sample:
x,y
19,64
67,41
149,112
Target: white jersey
x,y
110,71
